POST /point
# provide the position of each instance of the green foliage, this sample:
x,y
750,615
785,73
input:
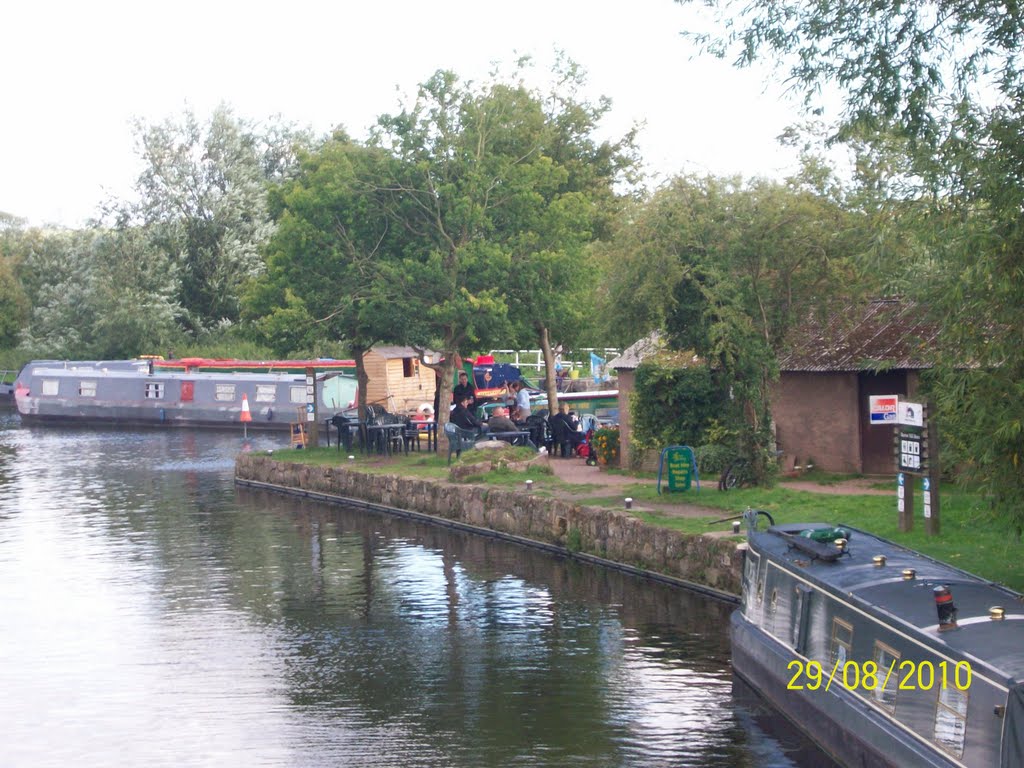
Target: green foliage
x,y
202,202
574,540
675,405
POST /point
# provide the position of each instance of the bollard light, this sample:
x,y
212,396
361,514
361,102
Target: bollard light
x,y
529,485
351,458
736,526
629,503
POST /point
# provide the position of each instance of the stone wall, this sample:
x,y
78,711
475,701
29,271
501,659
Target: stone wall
x,y
605,533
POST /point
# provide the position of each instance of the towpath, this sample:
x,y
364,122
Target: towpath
x,y
590,482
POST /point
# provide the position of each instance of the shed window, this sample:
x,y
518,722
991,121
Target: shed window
x,y
951,720
87,389
225,393
154,390
51,386
266,393
410,367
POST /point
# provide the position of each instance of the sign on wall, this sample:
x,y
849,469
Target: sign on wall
x,y
911,414
883,409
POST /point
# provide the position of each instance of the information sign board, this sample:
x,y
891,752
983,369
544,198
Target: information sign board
x,y
910,452
679,465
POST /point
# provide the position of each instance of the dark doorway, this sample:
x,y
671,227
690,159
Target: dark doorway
x,y
876,447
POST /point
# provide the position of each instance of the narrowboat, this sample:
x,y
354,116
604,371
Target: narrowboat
x,y
881,655
137,393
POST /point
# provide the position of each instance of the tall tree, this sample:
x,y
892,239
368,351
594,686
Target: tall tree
x,y
202,200
327,276
497,189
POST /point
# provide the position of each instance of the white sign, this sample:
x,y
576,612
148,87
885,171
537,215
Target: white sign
x,y
911,414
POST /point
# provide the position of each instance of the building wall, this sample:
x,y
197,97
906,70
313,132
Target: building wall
x,y
627,385
817,417
390,387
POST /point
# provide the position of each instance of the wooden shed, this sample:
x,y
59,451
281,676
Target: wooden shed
x,y
397,380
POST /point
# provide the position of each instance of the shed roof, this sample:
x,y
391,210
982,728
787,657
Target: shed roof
x,y
393,353
633,355
884,334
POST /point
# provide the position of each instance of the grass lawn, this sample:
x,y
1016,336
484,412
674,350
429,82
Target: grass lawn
x,y
971,538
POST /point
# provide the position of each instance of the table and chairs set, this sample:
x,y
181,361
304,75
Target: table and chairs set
x,y
388,433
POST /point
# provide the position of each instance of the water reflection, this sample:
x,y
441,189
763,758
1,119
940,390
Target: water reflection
x,y
155,613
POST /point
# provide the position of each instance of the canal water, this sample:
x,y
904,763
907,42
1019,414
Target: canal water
x,y
153,614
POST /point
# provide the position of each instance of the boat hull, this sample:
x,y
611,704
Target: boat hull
x,y
849,731
133,394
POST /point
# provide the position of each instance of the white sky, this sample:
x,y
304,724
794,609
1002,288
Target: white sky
x,y
76,73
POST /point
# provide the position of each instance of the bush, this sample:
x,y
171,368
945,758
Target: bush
x,y
606,445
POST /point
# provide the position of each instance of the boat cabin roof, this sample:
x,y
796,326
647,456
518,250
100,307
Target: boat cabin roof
x,y
909,603
133,369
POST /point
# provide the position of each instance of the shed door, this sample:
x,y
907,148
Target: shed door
x,y
876,448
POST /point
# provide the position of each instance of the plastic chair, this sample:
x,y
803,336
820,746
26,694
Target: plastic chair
x,y
458,439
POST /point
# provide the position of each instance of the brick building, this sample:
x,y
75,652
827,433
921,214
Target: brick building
x,y
827,372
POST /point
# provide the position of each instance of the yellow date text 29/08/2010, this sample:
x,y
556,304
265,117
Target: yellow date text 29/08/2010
x,y
867,676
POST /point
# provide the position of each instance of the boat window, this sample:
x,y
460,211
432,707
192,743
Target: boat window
x,y
887,685
225,393
266,393
951,719
297,395
842,641
154,390
773,602
87,389
50,386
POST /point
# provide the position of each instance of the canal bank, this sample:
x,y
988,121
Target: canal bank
x,y
611,537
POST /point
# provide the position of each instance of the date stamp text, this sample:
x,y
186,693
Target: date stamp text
x,y
868,676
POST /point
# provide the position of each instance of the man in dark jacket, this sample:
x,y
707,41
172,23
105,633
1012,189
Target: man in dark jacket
x,y
462,417
463,390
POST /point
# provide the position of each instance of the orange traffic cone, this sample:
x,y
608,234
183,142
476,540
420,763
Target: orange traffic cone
x,y
246,416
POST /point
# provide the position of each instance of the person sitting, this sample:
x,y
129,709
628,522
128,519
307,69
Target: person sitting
x,y
462,417
565,430
464,389
500,422
424,413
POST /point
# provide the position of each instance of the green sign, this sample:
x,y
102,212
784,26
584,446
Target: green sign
x,y
678,461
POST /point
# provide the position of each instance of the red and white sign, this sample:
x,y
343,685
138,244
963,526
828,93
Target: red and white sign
x,y
884,409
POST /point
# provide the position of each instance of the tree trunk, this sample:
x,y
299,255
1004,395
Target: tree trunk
x,y
362,381
549,367
446,368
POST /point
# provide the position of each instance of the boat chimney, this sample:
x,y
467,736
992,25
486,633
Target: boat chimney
x,y
996,613
909,574
945,608
840,544
878,560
